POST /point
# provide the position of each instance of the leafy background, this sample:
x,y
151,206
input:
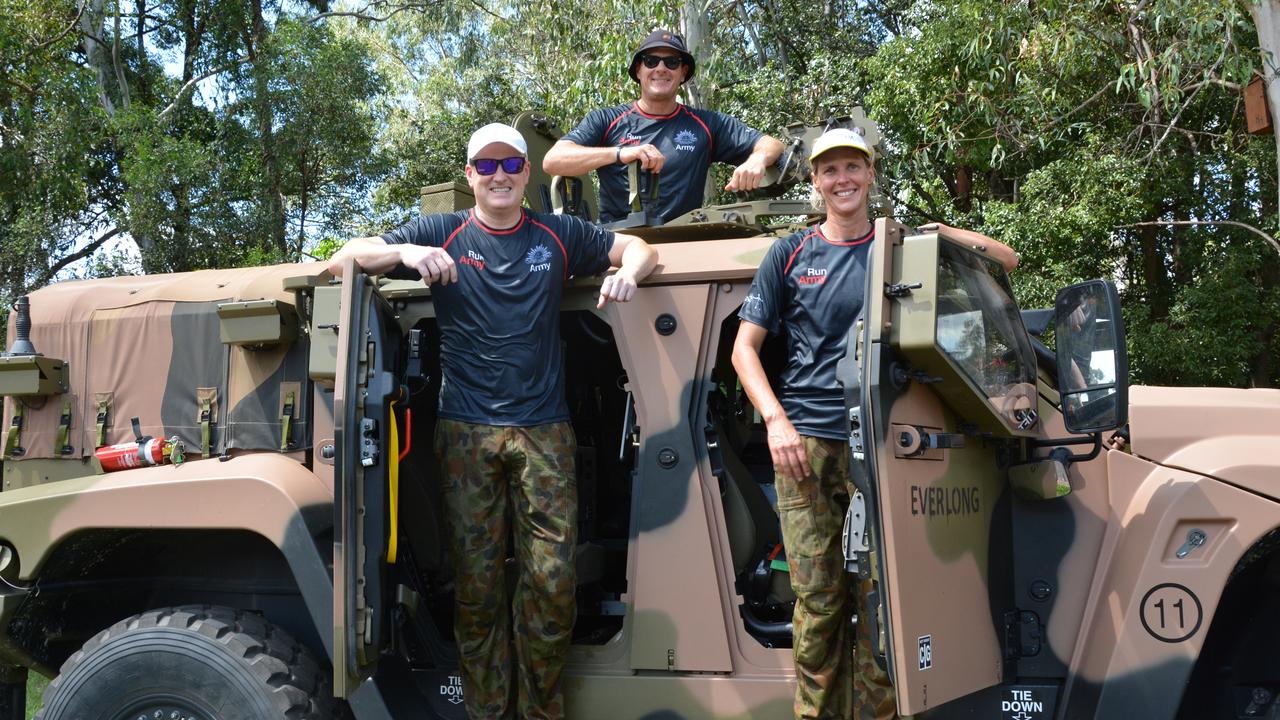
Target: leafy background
x,y
1097,138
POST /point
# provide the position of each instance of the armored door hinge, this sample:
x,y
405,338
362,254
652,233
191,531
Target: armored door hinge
x,y
1023,634
857,551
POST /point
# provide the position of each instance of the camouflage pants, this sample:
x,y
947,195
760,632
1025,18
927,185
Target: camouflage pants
x,y
519,481
836,674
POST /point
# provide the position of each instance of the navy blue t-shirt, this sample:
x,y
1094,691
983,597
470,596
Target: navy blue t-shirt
x,y
811,287
500,356
690,139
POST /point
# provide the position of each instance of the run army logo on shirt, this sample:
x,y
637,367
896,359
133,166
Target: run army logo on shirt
x,y
539,259
813,276
473,259
685,140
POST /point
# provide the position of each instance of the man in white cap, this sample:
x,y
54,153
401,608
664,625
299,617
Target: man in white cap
x,y
664,136
810,288
502,436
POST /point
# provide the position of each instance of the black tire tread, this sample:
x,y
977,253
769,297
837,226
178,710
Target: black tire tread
x,y
299,688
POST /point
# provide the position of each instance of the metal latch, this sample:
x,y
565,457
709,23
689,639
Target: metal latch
x,y
368,442
1022,634
897,290
1195,539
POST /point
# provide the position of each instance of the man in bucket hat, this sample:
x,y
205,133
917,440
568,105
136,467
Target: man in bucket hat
x,y
664,136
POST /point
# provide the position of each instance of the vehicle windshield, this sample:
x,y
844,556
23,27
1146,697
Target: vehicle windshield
x,y
980,331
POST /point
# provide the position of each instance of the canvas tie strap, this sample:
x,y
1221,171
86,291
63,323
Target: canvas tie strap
x,y
103,418
206,423
286,420
64,431
13,437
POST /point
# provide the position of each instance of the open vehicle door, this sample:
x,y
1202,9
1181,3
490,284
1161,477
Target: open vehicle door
x,y
947,381
365,387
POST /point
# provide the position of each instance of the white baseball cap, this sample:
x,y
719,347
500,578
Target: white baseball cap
x,y
495,133
841,137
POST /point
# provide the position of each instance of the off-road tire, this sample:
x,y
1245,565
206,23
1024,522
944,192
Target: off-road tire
x,y
198,662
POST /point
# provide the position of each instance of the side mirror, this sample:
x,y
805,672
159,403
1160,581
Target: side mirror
x,y
1093,366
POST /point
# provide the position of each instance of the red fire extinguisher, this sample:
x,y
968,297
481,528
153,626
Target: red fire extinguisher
x,y
145,451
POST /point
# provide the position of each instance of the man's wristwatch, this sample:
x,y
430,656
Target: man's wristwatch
x,y
617,158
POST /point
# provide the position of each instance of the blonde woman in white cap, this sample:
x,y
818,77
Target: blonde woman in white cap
x,y
503,438
810,287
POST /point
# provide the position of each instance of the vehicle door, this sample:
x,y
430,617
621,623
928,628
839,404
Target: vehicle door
x,y
366,385
947,382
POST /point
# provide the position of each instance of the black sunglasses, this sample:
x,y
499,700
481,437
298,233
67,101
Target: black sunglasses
x,y
489,166
671,61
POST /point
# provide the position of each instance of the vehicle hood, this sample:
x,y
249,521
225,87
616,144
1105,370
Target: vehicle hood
x,y
1226,433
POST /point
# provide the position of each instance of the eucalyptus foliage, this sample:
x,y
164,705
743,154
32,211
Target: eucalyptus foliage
x,y
1098,138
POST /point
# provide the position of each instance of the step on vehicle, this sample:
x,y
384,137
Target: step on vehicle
x,y
220,498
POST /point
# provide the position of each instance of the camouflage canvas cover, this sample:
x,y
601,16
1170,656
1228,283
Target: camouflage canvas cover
x,y
149,347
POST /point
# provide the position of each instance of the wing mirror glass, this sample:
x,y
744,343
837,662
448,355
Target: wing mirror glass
x,y
1093,367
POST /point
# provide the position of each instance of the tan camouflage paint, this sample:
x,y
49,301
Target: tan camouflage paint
x,y
935,565
1226,433
747,653
1151,508
696,636
1088,502
262,493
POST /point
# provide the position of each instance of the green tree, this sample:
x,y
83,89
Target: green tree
x,y
1098,139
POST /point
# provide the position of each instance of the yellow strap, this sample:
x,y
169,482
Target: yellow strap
x,y
393,480
14,436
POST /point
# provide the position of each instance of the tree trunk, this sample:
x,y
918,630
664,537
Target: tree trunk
x,y
963,200
91,27
1260,365
1153,272
272,200
1266,18
693,22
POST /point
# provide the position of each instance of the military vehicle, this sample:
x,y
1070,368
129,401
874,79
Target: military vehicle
x,y
291,565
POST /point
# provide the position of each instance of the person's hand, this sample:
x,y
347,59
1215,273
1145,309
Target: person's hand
x,y
747,176
787,449
1076,319
650,157
1018,405
432,263
618,287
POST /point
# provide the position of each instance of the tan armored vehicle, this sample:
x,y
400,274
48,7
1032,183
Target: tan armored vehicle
x,y
292,564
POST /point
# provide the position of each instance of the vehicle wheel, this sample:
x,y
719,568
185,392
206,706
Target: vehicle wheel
x,y
194,663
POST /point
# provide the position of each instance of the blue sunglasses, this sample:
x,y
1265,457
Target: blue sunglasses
x,y
489,166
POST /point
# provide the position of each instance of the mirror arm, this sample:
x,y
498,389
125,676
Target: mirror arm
x,y
1064,455
1059,442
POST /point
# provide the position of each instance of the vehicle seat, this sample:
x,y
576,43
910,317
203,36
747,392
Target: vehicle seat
x,y
750,520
